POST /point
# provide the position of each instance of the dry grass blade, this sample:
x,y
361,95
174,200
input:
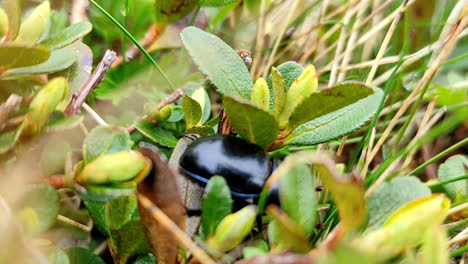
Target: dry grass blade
x,y
427,77
161,189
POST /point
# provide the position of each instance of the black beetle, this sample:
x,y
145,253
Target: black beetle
x,y
244,165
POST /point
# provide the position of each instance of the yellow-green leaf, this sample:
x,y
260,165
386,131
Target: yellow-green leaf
x,y
192,111
260,96
15,56
279,90
13,8
406,227
68,35
285,234
302,88
434,249
35,25
3,22
114,168
233,229
43,105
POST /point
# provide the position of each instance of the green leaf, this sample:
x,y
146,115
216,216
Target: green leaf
x,y
219,62
298,198
279,90
13,8
34,27
216,204
177,114
105,140
97,210
169,11
336,124
392,195
120,211
63,123
14,56
201,96
79,255
68,35
58,60
217,2
201,130
259,248
252,123
192,111
127,238
156,133
40,205
328,101
454,167
290,71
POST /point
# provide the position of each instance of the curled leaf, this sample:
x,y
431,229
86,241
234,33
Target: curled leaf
x,y
260,96
114,168
233,229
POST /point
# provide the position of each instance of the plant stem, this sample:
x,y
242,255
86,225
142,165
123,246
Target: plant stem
x,y
135,42
439,156
448,181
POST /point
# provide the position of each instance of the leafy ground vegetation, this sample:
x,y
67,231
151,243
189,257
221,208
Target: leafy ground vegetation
x,y
338,131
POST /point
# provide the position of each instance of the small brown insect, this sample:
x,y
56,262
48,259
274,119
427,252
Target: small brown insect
x,y
246,56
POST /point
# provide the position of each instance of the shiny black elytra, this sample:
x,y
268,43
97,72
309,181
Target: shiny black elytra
x,y
245,166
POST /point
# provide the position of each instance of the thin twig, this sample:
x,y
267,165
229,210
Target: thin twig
x,y
178,234
9,107
150,37
172,98
93,81
74,223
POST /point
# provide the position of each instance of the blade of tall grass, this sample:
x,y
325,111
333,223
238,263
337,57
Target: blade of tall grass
x,y
374,181
439,156
132,38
